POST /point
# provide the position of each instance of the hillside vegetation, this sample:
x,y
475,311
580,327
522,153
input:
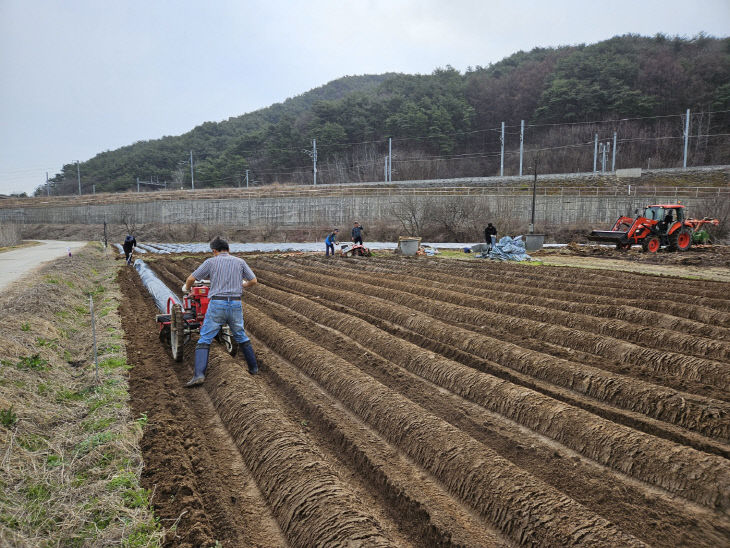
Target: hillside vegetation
x,y
447,124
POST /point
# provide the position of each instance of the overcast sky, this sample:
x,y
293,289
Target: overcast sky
x,y
78,77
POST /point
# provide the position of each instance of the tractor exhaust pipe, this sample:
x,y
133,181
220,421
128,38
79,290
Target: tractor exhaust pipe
x,y
156,287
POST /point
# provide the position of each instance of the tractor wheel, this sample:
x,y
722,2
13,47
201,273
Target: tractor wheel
x,y
651,244
177,332
680,240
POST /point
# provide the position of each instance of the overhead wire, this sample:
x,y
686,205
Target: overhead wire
x,y
263,151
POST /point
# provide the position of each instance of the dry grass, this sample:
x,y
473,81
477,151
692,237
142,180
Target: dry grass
x,y
69,457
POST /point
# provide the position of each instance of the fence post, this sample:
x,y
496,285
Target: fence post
x,y
686,139
522,140
93,335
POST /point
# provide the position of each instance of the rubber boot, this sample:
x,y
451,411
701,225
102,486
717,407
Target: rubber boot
x,y
247,350
201,364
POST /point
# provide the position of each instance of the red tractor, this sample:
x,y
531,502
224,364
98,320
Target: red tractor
x,y
660,225
181,321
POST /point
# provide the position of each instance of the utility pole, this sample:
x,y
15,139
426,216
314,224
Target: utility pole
x,y
246,178
595,154
522,140
137,184
48,187
314,160
390,159
686,139
501,156
613,161
534,192
602,155
93,189
385,170
78,175
605,147
192,172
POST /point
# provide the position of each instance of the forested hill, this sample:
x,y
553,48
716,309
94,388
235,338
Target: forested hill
x,y
447,124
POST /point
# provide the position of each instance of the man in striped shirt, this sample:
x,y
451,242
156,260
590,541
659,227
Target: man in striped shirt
x,y
227,275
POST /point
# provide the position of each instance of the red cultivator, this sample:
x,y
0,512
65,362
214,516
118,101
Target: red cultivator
x,y
181,321
355,250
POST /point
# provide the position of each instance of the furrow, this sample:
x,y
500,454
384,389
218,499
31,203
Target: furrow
x,y
523,507
679,469
696,413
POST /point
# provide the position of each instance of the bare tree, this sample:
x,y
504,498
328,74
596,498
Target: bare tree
x,y
455,217
412,213
178,177
128,217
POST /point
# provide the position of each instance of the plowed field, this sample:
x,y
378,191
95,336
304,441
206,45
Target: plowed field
x,y
435,402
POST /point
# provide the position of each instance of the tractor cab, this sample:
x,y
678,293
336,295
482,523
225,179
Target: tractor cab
x,y
665,216
664,213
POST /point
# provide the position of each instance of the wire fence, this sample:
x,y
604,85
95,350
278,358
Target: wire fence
x,y
353,191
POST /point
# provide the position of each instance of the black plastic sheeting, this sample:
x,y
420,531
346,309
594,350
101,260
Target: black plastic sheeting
x,y
159,291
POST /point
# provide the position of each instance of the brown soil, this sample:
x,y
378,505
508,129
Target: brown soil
x,y
711,262
430,402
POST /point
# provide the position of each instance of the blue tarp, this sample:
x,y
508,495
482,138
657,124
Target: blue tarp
x,y
508,249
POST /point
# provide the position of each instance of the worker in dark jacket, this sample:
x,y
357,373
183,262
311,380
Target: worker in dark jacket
x,y
490,234
330,242
129,244
357,233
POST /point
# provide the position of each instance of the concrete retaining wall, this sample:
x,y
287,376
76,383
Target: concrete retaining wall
x,y
330,211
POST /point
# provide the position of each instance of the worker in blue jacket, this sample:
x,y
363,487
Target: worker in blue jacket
x,y
330,242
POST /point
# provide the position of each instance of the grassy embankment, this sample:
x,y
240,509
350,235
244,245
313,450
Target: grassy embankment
x,y
69,455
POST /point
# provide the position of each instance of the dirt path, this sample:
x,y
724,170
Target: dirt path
x,y
192,466
401,402
17,262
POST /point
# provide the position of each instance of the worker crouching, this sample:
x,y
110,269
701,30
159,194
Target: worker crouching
x,y
227,275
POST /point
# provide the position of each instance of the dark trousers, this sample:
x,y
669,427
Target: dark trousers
x,y
357,240
127,254
330,249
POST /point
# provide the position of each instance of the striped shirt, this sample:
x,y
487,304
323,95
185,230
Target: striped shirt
x,y
226,273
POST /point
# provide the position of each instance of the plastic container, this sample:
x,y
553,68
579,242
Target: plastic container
x,y
409,246
533,242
